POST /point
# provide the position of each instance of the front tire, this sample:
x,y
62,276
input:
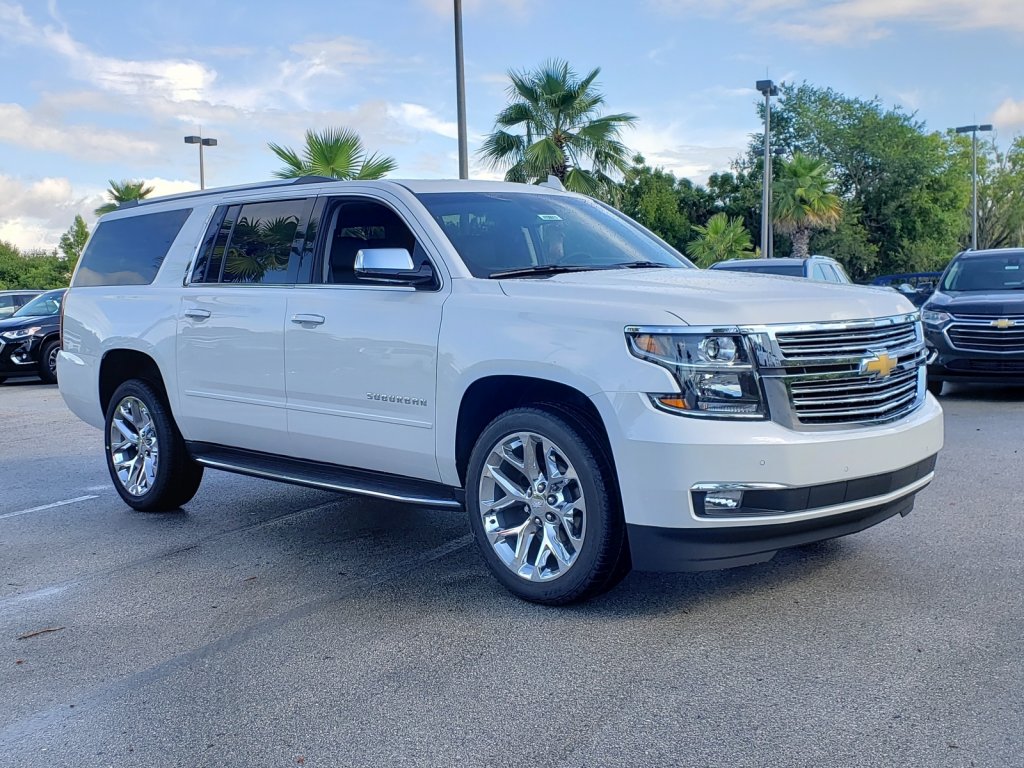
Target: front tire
x,y
544,508
935,386
48,361
146,455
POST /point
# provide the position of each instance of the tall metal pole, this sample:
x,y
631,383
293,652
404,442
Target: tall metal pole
x,y
974,190
202,170
769,89
460,80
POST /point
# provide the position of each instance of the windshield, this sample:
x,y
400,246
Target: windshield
x,y
793,270
41,306
1002,272
499,231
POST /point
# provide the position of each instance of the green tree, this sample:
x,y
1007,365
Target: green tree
x,y
553,126
33,269
802,202
123,192
73,241
909,186
1001,195
722,238
337,153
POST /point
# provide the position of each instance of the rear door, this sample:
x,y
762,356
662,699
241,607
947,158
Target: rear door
x,y
361,357
231,325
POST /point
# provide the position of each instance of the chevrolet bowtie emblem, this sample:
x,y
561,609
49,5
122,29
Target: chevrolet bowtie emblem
x,y
882,364
1003,322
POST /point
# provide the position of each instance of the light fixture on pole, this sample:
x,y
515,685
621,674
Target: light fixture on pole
x,y
769,89
460,93
202,143
973,130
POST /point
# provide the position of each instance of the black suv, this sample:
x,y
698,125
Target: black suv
x,y
12,301
820,268
974,322
30,339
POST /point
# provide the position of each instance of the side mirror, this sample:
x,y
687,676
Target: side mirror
x,y
391,265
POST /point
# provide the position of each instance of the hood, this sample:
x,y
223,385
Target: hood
x,y
995,303
13,323
714,297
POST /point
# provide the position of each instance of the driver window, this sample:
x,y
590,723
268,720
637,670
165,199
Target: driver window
x,y
355,225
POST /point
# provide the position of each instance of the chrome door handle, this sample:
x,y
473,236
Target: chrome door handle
x,y
197,314
309,319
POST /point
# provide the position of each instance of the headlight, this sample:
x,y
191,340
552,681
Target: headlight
x,y
714,372
22,333
935,319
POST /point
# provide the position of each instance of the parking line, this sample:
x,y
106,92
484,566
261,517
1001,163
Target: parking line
x,y
50,506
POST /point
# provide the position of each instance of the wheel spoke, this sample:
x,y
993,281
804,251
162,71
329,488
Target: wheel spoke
x,y
550,463
567,519
126,432
557,547
523,545
531,467
506,484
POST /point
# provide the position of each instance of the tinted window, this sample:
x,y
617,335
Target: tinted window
x,y
496,231
996,272
791,270
260,247
129,251
46,305
355,225
211,254
818,273
7,306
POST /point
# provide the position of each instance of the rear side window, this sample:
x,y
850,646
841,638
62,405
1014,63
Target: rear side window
x,y
130,251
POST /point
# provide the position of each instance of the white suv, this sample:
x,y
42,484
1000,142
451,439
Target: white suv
x,y
591,399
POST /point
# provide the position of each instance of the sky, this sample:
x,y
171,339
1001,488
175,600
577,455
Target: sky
x,y
94,91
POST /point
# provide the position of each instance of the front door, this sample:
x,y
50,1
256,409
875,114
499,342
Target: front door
x,y
361,357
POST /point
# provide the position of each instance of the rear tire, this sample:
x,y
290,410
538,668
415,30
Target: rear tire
x,y
544,508
146,455
48,361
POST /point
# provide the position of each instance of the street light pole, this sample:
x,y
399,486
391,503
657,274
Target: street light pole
x,y
460,94
202,143
973,130
769,89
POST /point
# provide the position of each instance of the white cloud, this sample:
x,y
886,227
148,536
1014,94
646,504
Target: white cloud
x,y
856,21
1009,114
670,148
423,118
23,129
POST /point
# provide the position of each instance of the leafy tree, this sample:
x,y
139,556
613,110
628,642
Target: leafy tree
x,y
553,126
802,201
737,193
34,269
1001,195
73,240
909,187
123,192
334,152
849,244
723,238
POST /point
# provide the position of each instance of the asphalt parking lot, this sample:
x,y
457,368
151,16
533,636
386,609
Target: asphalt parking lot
x,y
268,625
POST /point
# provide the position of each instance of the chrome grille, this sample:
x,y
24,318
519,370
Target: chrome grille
x,y
821,377
985,337
801,345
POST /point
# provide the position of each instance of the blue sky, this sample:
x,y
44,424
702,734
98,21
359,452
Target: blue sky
x,y
107,90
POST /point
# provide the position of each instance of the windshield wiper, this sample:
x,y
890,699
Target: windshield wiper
x,y
541,269
641,265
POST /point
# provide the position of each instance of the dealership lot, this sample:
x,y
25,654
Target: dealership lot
x,y
274,625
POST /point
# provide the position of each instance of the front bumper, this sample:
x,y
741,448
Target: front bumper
x,y
815,483
20,356
947,363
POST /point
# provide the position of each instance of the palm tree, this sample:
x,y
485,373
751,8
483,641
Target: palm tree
x,y
123,192
334,152
803,202
558,129
722,238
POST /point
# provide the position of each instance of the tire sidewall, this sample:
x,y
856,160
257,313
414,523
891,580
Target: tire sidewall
x,y
602,509
48,376
166,438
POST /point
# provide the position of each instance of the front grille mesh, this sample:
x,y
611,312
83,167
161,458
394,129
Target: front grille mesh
x,y
980,338
827,385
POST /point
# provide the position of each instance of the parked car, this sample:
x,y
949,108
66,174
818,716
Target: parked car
x,y
30,339
820,268
592,399
916,286
974,322
12,301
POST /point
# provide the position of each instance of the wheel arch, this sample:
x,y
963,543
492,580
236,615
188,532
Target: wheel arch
x,y
119,365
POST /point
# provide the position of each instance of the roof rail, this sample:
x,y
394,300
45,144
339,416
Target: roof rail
x,y
237,188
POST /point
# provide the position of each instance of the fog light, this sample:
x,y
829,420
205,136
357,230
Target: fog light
x,y
722,500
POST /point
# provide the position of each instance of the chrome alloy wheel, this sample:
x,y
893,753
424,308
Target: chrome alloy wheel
x,y
134,448
532,505
51,360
